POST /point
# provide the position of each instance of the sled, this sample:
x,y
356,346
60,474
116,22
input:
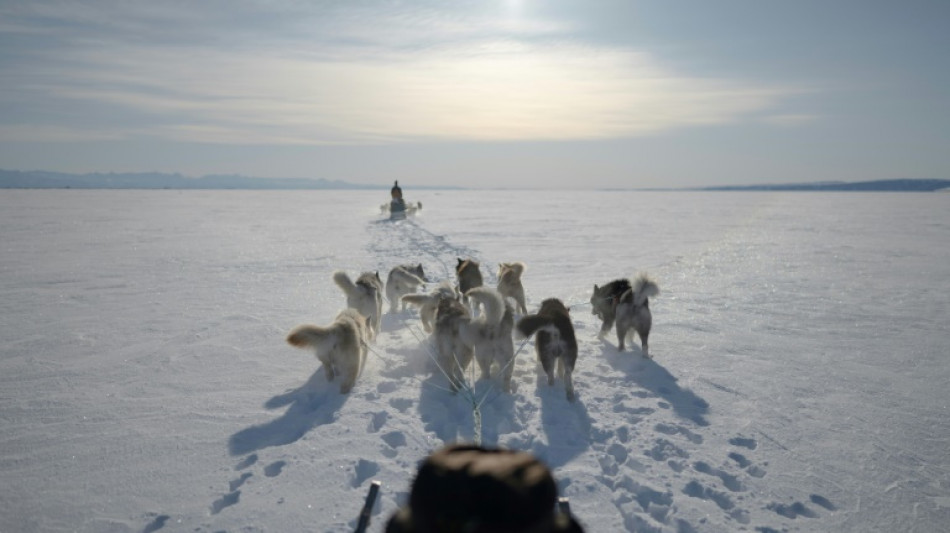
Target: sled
x,y
563,507
399,209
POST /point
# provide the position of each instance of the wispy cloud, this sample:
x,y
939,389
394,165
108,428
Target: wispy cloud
x,y
363,76
790,120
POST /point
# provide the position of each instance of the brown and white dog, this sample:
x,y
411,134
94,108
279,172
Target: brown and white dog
x,y
429,303
469,276
554,341
340,346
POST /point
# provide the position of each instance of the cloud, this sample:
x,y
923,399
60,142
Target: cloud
x,y
418,76
790,120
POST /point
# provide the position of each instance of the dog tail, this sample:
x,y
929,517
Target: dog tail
x,y
643,288
344,282
320,338
405,275
517,267
511,269
529,324
416,299
493,301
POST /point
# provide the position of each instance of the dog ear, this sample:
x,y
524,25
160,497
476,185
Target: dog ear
x,y
460,261
595,287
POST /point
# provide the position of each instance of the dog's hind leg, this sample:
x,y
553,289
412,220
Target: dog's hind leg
x,y
605,327
547,364
622,329
507,362
484,357
569,384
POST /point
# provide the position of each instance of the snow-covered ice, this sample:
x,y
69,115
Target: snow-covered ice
x,y
798,380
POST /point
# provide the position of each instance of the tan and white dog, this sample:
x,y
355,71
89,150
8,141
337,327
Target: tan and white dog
x,y
365,295
340,346
509,283
489,335
402,280
453,355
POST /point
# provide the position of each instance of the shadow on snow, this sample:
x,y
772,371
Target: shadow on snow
x,y
314,403
652,376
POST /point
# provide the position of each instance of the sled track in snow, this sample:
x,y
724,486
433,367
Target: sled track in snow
x,y
396,242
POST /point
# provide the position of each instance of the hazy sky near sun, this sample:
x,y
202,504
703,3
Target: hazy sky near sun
x,y
497,93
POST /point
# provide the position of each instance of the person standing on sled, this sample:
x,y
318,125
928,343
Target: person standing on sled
x,y
397,207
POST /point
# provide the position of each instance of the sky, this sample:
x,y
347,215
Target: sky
x,y
491,93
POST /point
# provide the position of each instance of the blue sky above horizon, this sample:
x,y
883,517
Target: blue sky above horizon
x,y
519,93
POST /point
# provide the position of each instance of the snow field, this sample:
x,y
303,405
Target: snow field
x,y
797,380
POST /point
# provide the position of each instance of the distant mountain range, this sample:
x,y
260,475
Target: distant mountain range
x,y
38,179
901,185
14,179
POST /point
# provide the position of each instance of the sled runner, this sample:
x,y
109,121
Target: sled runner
x,y
367,508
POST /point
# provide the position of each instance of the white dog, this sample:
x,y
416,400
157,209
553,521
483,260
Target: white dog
x,y
340,346
365,295
509,283
402,280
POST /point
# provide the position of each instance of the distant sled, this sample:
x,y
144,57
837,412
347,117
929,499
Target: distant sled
x,y
399,209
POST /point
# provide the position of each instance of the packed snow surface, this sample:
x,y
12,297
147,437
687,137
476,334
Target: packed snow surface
x,y
798,379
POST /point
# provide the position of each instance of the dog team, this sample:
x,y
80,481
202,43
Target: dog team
x,y
472,321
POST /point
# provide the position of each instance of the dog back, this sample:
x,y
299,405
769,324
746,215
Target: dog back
x,y
469,275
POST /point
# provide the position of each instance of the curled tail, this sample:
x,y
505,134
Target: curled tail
x,y
643,288
512,270
529,324
344,282
493,302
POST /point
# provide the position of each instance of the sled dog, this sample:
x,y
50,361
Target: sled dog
x,y
452,354
509,283
633,311
554,340
365,295
403,279
469,276
489,335
429,303
604,303
340,346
